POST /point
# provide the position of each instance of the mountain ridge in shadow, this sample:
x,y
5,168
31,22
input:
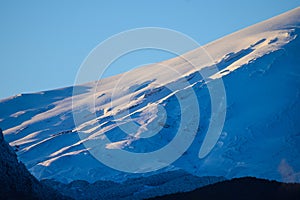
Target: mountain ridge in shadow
x,y
15,180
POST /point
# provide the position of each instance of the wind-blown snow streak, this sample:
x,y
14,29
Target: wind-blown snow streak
x,y
260,69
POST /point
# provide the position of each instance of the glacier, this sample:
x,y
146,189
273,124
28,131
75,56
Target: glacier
x,y
259,67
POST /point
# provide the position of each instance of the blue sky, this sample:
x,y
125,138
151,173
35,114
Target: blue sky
x,y
43,43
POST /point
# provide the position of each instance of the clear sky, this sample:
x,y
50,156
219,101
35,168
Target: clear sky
x,y
43,43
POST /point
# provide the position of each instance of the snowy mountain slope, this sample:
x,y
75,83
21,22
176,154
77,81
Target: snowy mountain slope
x,y
260,70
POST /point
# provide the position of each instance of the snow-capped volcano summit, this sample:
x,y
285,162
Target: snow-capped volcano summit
x,y
259,67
